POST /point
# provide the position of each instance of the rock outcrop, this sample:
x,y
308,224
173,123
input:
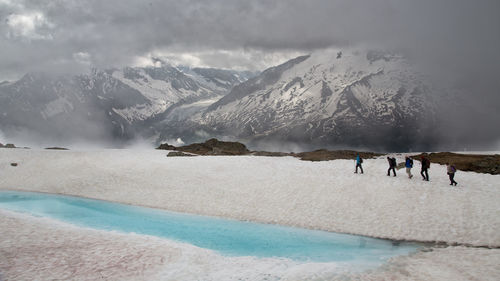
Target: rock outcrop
x,y
325,155
166,146
487,164
178,154
216,147
210,147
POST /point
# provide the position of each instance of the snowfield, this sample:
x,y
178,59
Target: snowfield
x,y
317,195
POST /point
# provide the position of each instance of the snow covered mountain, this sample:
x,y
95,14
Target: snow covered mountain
x,y
112,104
370,99
351,98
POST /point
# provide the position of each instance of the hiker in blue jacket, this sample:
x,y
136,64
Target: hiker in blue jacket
x,y
359,160
409,165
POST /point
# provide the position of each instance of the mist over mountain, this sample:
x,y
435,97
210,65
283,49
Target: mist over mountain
x,y
110,107
337,98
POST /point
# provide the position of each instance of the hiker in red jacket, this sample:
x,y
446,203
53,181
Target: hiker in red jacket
x,y
426,164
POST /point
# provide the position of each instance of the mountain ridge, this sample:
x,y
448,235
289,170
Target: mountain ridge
x,y
358,99
108,104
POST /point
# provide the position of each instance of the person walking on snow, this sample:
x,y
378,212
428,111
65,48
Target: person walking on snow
x,y
359,160
450,169
409,165
426,164
392,165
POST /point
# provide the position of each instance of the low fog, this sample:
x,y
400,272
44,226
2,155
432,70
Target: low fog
x,y
454,42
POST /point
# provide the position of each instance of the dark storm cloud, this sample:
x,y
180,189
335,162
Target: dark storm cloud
x,y
114,31
452,40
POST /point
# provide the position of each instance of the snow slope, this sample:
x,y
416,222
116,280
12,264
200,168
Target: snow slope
x,y
321,195
317,195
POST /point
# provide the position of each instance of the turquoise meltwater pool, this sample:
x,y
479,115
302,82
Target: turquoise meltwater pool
x,y
228,237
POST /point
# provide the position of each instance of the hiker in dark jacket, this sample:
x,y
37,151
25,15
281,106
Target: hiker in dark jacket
x,y
359,161
409,165
392,165
426,164
450,169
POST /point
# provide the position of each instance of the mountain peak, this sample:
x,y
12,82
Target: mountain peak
x,y
325,99
267,77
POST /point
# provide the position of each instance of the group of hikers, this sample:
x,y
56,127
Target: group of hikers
x,y
425,165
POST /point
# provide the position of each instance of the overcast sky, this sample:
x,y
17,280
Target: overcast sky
x,y
70,35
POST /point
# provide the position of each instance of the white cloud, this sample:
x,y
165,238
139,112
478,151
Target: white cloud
x,y
82,58
238,59
174,142
11,4
31,25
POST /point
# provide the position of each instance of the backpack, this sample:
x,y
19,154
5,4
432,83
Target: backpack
x,y
453,169
411,162
393,162
426,163
360,160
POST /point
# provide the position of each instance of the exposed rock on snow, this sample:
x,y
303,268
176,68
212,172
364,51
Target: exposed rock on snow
x,y
488,164
178,153
325,155
166,146
272,153
211,147
216,147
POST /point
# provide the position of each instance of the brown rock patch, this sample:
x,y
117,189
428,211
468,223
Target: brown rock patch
x,y
325,155
211,147
487,164
178,153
